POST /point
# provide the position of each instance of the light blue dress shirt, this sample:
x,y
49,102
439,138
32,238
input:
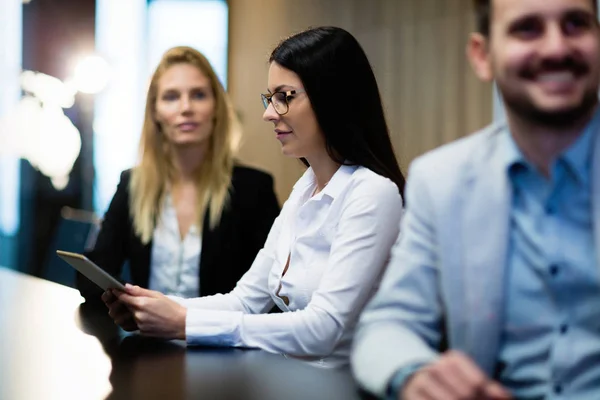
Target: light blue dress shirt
x,y
550,346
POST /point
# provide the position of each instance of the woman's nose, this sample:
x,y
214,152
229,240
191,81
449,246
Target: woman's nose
x,y
270,114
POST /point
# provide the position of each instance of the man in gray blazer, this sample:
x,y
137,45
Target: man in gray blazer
x,y
493,288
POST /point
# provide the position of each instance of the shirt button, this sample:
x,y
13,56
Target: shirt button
x,y
554,270
550,209
558,389
564,328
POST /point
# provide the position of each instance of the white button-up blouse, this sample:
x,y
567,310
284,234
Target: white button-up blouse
x,y
338,242
174,262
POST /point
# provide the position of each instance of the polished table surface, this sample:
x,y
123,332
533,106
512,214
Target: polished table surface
x,y
53,347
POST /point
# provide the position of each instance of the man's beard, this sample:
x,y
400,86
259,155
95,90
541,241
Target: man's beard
x,y
524,108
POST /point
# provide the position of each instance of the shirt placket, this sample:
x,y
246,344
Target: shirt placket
x,y
298,223
304,218
180,265
179,250
557,275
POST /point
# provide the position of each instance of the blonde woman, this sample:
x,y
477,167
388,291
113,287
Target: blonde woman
x,y
188,218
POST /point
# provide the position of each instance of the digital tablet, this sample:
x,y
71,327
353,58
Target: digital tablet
x,y
93,272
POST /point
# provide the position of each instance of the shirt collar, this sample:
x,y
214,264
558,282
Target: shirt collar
x,y
578,156
335,186
306,180
338,181
511,154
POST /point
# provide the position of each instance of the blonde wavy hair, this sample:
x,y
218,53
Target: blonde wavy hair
x,y
155,168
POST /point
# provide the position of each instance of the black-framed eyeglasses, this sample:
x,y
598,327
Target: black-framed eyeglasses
x,y
280,100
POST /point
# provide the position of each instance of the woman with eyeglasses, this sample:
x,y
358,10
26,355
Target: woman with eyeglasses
x,y
328,248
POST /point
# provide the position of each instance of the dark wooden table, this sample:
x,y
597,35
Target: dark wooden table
x,y
52,347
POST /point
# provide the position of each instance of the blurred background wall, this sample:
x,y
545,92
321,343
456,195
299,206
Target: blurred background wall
x,y
416,47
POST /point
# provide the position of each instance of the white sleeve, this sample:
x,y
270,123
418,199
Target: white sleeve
x,y
368,227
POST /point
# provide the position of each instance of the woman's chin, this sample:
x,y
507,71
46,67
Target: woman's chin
x,y
288,152
188,142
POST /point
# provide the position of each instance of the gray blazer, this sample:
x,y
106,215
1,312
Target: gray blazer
x,y
446,273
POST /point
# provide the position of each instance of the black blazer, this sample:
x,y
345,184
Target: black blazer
x,y
227,251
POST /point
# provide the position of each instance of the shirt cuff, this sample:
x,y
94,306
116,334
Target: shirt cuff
x,y
213,327
400,378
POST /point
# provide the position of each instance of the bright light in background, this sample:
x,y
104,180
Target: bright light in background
x,y
91,74
118,109
37,129
201,24
11,48
48,89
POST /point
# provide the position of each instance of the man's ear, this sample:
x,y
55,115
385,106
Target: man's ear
x,y
479,56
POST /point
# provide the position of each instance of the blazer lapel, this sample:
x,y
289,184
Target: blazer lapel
x,y
206,260
485,241
139,261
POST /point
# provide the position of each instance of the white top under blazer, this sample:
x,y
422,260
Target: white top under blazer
x,y
174,262
338,242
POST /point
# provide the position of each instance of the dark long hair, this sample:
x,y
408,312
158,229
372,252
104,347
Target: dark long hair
x,y
342,89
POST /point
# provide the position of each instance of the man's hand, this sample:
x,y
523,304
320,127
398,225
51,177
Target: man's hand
x,y
453,376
